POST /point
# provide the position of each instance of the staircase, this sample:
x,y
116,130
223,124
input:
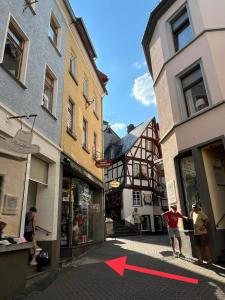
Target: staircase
x,y
120,229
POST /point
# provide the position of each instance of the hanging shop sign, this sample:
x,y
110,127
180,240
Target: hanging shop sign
x,y
103,163
114,184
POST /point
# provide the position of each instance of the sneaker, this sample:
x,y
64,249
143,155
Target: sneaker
x,y
175,254
181,255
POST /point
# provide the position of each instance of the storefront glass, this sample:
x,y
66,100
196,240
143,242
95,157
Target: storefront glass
x,y
12,181
77,217
189,181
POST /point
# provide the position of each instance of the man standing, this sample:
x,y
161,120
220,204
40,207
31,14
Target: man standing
x,y
171,217
200,221
137,220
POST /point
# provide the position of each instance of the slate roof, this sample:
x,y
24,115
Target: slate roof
x,y
122,146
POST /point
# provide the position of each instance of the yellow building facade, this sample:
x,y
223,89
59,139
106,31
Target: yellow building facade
x,y
82,190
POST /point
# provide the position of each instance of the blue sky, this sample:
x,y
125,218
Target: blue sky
x,y
116,28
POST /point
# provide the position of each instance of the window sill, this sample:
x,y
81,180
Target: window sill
x,y
44,108
74,136
74,78
13,77
96,115
55,47
86,149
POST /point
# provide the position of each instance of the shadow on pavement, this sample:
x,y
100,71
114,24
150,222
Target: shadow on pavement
x,y
98,281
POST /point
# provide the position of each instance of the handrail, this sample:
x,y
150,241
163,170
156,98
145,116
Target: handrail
x,y
42,229
220,221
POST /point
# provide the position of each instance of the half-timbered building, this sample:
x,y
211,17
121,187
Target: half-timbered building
x,y
135,169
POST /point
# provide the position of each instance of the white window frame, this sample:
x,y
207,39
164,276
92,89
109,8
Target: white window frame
x,y
55,90
85,87
136,170
26,48
70,101
59,30
136,195
85,135
73,57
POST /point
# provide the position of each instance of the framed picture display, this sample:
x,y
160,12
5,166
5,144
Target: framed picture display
x,y
10,204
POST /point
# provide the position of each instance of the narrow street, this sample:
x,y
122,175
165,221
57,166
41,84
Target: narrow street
x,y
90,278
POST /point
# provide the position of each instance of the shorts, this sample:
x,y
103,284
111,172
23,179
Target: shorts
x,y
173,232
201,240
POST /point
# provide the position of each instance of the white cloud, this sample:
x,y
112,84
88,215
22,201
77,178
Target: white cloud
x,y
118,126
143,90
139,65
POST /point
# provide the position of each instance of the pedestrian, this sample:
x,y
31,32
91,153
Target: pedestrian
x,y
137,220
29,230
2,227
171,217
200,221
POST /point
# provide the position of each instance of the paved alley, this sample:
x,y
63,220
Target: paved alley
x,y
90,278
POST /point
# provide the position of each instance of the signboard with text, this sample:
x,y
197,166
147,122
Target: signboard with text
x,y
103,163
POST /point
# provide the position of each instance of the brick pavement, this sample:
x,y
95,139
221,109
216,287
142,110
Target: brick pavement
x,y
89,278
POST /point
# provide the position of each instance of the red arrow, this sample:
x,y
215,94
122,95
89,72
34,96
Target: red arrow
x,y
119,265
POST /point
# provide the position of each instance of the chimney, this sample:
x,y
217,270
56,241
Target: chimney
x,y
130,127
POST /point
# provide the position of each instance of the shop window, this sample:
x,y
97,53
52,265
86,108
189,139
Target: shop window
x,y
136,198
12,178
85,134
49,89
189,182
70,113
14,49
194,91
181,30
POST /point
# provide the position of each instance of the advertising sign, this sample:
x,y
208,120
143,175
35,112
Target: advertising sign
x,y
103,163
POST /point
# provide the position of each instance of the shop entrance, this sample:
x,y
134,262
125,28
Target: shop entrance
x,y
114,206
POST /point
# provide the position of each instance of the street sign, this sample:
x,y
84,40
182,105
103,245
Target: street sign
x,y
103,163
114,184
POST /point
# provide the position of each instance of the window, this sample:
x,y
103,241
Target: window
x,y
148,145
54,31
85,134
194,91
13,53
181,28
136,198
189,181
95,144
70,116
144,171
136,170
85,88
48,91
95,105
73,65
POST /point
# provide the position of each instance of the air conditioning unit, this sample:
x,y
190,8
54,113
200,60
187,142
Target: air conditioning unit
x,y
45,100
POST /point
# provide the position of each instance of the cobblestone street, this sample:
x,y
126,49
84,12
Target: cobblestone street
x,y
90,278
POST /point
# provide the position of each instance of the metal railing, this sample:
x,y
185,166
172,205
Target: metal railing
x,y
43,230
220,221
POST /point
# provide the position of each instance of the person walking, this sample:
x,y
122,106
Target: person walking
x,y
29,230
137,220
200,221
171,217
